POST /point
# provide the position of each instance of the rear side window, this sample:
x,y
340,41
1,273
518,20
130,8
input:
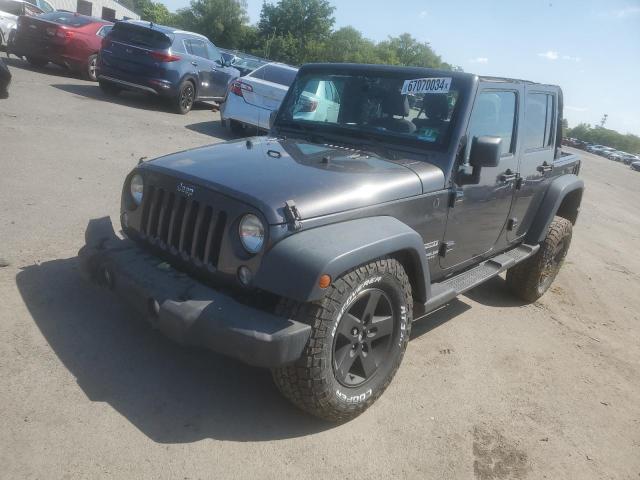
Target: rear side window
x,y
140,36
275,74
494,114
538,121
196,47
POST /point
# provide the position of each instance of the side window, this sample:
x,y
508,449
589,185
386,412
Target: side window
x,y
494,114
196,47
539,121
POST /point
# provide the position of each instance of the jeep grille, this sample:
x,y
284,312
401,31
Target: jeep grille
x,y
182,226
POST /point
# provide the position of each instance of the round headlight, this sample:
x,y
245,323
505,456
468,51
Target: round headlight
x,y
251,233
136,187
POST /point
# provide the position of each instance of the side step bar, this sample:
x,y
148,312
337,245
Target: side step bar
x,y
450,288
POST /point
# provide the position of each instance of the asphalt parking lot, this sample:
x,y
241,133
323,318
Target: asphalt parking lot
x,y
490,388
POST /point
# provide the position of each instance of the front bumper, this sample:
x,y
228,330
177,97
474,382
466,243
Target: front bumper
x,y
184,309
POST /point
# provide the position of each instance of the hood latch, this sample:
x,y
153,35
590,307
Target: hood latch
x,y
292,215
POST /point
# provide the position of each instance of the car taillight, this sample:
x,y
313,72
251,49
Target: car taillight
x,y
308,105
164,57
238,87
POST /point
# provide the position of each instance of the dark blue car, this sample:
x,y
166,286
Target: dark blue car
x,y
182,66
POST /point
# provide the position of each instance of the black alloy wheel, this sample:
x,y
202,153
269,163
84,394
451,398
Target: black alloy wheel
x,y
363,337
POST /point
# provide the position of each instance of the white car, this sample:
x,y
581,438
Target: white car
x,y
251,99
319,102
10,10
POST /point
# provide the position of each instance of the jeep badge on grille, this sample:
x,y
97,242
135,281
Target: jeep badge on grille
x,y
186,190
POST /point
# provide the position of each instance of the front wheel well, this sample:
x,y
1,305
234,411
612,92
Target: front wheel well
x,y
412,267
570,206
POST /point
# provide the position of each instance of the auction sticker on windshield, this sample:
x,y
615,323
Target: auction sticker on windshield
x,y
426,85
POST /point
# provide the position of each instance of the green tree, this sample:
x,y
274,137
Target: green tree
x,y
605,136
291,26
150,11
406,50
348,45
224,22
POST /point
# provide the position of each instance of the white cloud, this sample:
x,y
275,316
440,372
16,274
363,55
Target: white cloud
x,y
627,12
422,14
570,58
549,55
575,109
479,60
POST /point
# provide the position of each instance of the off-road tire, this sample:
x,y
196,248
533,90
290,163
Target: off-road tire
x,y
183,102
37,61
311,382
109,88
530,279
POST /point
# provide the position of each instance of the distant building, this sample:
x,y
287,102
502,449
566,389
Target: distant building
x,y
105,9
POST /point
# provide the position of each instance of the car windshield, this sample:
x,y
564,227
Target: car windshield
x,y
398,107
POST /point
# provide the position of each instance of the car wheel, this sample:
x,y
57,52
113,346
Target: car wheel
x,y
236,128
530,279
90,70
360,330
37,61
186,97
109,88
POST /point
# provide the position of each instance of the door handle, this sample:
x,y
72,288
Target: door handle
x,y
195,64
508,176
545,167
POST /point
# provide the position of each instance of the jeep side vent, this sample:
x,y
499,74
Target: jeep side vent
x,y
183,227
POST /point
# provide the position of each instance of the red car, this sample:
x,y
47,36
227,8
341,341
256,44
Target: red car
x,y
67,39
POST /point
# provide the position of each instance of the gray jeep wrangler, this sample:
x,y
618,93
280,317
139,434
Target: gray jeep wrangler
x,y
380,194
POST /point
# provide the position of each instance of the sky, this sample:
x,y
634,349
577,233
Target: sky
x,y
590,48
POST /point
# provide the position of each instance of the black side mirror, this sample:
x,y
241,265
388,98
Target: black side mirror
x,y
485,151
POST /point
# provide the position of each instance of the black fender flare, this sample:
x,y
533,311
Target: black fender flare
x,y
293,266
556,193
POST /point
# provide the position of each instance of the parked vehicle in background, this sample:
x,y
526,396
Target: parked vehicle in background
x,y
66,39
246,65
628,158
251,99
5,79
10,10
312,251
182,66
635,166
614,155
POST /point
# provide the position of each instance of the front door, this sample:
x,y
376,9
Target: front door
x,y
480,210
537,157
221,75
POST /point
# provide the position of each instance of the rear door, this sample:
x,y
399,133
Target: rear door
x,y
538,140
202,65
476,221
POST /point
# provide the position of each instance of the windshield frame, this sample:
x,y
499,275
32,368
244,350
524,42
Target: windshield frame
x,y
358,135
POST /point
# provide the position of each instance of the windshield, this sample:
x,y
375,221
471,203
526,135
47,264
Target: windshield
x,y
398,108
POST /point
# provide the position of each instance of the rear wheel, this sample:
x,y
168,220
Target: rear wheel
x,y
90,70
530,279
37,61
109,88
186,97
360,330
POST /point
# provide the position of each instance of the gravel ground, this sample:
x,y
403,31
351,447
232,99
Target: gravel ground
x,y
490,388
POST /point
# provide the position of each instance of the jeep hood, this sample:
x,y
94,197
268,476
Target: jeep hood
x,y
320,179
